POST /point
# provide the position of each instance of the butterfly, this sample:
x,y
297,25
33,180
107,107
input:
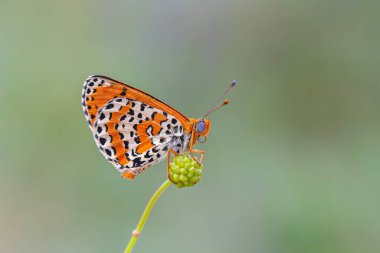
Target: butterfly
x,y
133,130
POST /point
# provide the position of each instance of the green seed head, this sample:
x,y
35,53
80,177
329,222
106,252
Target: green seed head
x,y
184,171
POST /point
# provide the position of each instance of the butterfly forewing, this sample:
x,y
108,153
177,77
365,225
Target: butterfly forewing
x,y
99,90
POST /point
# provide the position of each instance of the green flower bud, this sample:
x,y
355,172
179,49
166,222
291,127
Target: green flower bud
x,y
174,177
184,171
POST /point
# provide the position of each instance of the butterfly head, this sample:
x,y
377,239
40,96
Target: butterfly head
x,y
201,128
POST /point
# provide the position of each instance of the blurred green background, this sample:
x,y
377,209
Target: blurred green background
x,y
292,164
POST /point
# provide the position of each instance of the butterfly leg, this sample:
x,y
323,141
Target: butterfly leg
x,y
197,151
168,163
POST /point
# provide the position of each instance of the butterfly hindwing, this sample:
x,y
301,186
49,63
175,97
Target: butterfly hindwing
x,y
133,135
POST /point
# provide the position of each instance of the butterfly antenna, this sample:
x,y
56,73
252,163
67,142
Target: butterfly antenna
x,y
225,102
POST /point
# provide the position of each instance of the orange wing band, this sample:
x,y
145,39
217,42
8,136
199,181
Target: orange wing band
x,y
128,175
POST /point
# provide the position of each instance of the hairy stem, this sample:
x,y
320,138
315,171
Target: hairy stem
x,y
145,215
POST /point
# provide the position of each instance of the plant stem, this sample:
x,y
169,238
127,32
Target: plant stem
x,y
144,217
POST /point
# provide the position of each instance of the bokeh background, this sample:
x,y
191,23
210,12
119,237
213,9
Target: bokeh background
x,y
292,164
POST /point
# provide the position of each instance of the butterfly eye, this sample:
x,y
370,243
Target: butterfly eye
x,y
202,139
200,127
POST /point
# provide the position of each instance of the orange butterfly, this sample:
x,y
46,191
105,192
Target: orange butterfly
x,y
134,130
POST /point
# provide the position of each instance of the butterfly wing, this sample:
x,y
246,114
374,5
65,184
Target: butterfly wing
x,y
132,134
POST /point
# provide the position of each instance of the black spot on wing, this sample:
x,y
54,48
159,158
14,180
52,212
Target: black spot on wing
x,y
102,141
137,162
131,112
109,106
133,152
147,155
123,93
